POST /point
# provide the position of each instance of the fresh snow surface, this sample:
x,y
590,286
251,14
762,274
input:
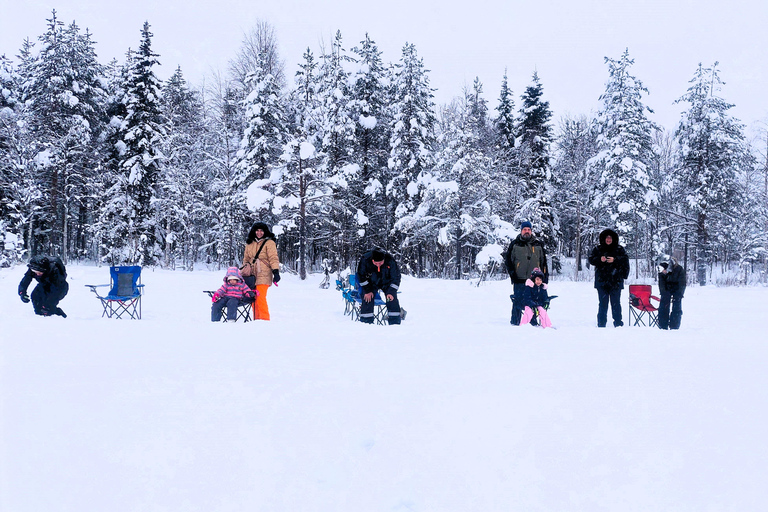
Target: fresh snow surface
x,y
455,410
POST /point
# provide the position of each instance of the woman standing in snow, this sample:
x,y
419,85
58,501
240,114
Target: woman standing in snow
x,y
261,266
611,269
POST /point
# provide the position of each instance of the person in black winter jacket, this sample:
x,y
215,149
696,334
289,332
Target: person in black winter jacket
x,y
52,286
672,281
378,270
611,269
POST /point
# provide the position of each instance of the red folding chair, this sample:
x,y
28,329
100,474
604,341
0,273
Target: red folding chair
x,y
640,305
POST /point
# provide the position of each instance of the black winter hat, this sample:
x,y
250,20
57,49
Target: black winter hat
x,y
39,264
378,255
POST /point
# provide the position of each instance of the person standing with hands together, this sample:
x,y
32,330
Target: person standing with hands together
x,y
611,269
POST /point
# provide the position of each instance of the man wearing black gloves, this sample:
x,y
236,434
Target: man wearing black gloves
x,y
672,281
51,286
378,270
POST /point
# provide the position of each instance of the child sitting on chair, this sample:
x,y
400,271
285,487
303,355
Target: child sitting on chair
x,y
232,294
535,297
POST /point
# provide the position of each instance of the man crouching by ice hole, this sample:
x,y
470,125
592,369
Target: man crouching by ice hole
x,y
378,270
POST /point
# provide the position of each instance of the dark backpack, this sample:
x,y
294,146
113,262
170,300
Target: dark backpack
x,y
58,265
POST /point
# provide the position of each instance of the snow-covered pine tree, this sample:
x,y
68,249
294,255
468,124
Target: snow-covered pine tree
x,y
223,226
263,138
26,196
506,165
625,147
371,142
129,212
411,150
181,204
456,201
300,186
11,241
711,153
66,108
747,244
339,233
535,136
576,143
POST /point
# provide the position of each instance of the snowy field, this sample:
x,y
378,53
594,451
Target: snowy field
x,y
455,410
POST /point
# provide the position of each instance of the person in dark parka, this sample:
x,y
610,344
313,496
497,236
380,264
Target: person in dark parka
x,y
378,270
672,281
611,269
524,254
52,286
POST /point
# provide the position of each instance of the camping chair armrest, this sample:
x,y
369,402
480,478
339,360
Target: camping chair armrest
x,y
655,297
94,286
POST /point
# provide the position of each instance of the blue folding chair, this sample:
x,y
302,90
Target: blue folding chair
x,y
125,290
355,299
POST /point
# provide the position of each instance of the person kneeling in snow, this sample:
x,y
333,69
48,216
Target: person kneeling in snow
x,y
535,297
52,286
232,294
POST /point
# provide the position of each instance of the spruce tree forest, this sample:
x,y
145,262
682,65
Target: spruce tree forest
x,y
104,162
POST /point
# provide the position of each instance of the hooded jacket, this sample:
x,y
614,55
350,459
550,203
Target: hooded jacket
x,y
267,261
371,278
240,290
609,275
535,296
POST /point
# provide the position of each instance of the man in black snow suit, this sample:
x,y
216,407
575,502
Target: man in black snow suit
x,y
378,270
672,281
611,269
52,286
524,254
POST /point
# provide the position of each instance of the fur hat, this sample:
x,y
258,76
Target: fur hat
x,y
262,226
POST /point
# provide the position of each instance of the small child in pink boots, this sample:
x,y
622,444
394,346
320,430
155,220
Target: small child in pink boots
x,y
536,297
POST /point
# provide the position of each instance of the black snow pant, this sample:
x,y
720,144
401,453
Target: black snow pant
x,y
46,302
393,310
517,304
669,320
607,294
231,303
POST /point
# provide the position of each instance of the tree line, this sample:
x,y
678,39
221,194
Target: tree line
x,y
108,163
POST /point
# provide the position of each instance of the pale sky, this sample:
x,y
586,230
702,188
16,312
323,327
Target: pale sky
x,y
564,40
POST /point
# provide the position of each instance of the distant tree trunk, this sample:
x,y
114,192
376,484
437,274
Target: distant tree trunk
x,y
458,252
302,225
578,241
64,235
701,249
